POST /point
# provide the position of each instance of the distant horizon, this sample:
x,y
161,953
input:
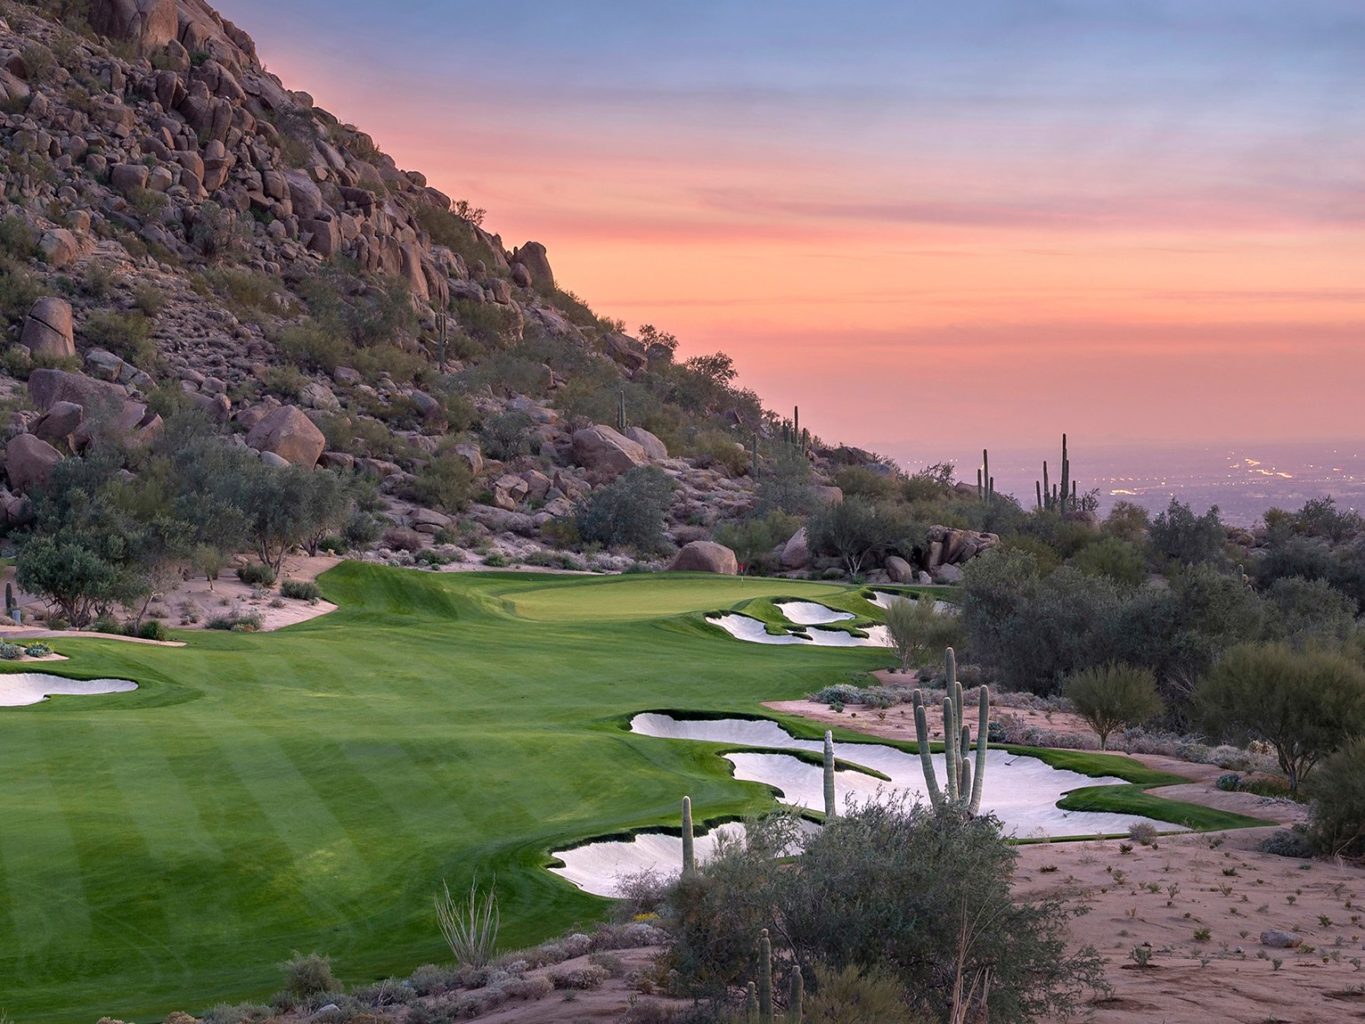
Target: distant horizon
x,y
1001,222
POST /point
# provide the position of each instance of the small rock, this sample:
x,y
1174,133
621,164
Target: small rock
x,y
1281,940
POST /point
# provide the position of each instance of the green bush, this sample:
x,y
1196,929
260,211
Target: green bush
x,y
1305,705
444,482
152,629
37,650
857,996
256,574
313,347
301,590
1337,823
507,435
629,511
10,652
124,334
1112,696
309,975
714,449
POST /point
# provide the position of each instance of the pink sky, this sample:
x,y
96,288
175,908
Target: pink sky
x,y
1146,231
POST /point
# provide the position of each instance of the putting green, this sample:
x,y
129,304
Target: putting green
x,y
309,789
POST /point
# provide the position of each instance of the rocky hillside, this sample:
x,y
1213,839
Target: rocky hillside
x,y
182,231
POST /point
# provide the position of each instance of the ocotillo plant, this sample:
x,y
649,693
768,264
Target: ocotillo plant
x,y
962,787
831,808
765,978
689,846
796,996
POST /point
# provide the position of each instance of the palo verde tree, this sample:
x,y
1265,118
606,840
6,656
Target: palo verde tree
x,y
1305,705
1112,696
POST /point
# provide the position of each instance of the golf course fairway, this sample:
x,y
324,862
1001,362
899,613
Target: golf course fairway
x,y
309,789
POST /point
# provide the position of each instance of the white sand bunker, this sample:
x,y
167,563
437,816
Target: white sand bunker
x,y
743,627
1021,791
808,613
885,599
23,688
600,868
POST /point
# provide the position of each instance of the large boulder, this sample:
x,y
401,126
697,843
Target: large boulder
x,y
48,387
796,552
603,451
48,329
705,556
653,447
532,257
150,24
29,461
898,570
60,423
290,434
626,351
59,248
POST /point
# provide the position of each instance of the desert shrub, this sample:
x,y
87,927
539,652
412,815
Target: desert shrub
x,y
433,979
301,590
19,290
309,975
237,622
124,334
10,652
1229,783
1181,536
214,231
754,540
488,323
285,381
444,482
784,482
149,299
1111,696
17,240
588,976
918,632
152,630
256,574
1337,824
855,995
886,885
867,482
400,538
311,346
629,511
852,530
715,449
507,435
39,650
1119,560
1305,705
235,1013
1288,842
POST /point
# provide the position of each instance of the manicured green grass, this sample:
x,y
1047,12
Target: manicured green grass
x,y
309,789
1132,800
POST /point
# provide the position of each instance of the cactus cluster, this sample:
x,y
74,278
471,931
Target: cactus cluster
x,y
985,483
1058,497
962,787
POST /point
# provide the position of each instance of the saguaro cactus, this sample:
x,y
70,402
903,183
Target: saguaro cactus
x,y
621,411
689,847
962,786
831,804
796,996
765,978
751,1004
